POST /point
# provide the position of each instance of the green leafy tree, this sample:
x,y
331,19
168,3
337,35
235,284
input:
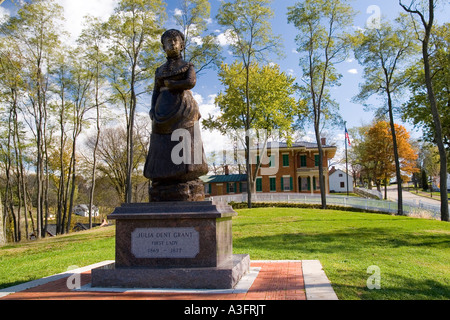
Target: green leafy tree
x,y
134,31
322,43
250,36
91,41
384,53
417,109
424,11
201,48
36,33
272,105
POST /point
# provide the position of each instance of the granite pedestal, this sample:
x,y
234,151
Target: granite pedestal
x,y
173,245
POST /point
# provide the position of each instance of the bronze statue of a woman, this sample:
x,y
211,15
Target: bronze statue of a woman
x,y
175,115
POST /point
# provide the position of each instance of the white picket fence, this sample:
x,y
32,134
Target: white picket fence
x,y
411,209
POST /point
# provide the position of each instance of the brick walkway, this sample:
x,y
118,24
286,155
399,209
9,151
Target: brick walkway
x,y
279,280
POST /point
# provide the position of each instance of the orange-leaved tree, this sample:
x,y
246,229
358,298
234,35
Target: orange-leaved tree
x,y
377,153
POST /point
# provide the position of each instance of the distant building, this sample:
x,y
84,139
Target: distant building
x,y
338,181
218,185
296,169
83,210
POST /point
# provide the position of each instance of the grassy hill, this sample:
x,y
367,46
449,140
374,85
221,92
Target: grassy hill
x,y
413,255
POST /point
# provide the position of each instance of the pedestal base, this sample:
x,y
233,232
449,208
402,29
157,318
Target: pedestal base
x,y
225,276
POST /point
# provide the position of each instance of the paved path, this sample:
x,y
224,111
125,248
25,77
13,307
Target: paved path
x,y
392,194
409,198
275,280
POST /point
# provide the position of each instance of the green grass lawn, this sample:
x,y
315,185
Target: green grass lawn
x,y
36,259
412,254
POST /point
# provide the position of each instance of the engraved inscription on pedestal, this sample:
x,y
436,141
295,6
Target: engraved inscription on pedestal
x,y
165,242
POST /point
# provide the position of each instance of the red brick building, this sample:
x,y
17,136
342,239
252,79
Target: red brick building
x,y
295,169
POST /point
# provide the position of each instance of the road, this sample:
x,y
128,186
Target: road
x,y
413,199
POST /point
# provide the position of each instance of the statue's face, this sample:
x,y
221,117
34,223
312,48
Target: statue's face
x,y
173,46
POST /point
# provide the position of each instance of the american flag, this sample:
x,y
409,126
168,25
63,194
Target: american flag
x,y
347,137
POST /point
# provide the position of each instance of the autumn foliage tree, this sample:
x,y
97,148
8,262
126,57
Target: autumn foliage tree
x,y
375,153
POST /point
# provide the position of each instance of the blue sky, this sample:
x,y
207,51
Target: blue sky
x,y
208,86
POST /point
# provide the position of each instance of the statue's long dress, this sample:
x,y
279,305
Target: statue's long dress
x,y
172,110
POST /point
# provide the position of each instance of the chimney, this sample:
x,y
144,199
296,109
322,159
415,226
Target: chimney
x,y
324,141
227,171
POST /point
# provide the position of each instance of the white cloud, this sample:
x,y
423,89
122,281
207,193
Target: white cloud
x,y
226,38
353,71
4,14
358,28
197,40
212,140
74,12
178,12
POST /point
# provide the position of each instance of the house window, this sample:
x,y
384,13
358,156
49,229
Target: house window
x,y
207,188
231,187
316,160
285,160
342,184
272,161
286,183
273,183
302,161
242,187
259,184
340,175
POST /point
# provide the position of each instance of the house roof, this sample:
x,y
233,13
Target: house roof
x,y
332,172
224,178
299,145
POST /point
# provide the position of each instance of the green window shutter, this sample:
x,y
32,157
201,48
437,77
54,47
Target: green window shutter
x,y
228,188
285,160
303,161
309,184
209,188
299,184
235,187
273,184
258,184
291,182
314,183
282,184
240,187
316,160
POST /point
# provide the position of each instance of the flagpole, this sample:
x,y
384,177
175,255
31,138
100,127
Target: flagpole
x,y
346,156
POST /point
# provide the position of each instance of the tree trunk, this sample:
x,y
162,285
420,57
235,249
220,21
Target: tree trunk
x,y
2,224
432,99
94,155
436,117
396,157
323,194
247,138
